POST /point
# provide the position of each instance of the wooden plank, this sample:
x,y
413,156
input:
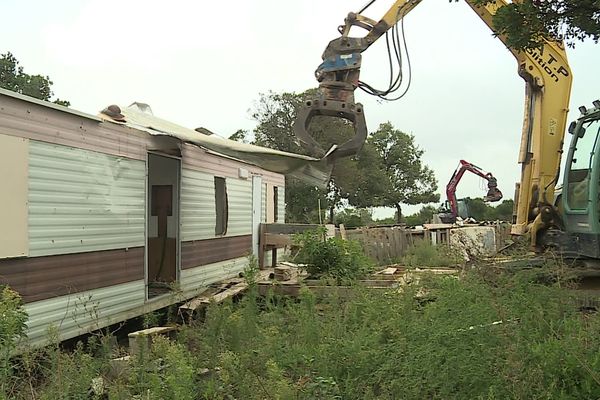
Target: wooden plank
x,y
140,341
288,229
375,282
330,230
279,240
261,246
232,291
319,291
216,296
387,271
437,226
343,232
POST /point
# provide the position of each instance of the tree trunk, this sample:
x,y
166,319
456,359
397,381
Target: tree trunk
x,y
331,209
398,213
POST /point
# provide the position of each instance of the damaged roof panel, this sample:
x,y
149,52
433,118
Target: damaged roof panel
x,y
311,170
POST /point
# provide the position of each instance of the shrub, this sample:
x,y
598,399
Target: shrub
x,y
425,254
342,260
12,329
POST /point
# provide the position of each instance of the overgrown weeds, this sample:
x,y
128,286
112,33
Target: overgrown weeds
x,y
425,254
484,336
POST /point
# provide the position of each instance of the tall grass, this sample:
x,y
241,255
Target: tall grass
x,y
484,336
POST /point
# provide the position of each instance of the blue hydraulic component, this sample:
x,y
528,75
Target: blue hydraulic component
x,y
339,62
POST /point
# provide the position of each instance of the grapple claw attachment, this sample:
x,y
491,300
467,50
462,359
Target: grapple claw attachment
x,y
352,112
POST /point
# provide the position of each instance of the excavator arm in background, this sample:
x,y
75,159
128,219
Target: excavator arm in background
x,y
493,193
547,78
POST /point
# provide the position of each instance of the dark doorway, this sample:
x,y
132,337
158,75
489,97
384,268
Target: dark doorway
x,y
163,224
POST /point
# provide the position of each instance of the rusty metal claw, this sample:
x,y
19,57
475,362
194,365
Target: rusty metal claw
x,y
352,112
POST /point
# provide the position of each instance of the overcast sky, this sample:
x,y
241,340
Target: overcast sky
x,y
201,63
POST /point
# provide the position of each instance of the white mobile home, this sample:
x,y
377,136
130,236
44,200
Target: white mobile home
x,y
103,216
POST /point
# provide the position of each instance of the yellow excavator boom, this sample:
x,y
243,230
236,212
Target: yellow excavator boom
x,y
547,78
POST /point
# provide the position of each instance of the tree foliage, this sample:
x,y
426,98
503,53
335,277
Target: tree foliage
x,y
408,180
13,77
526,22
275,114
478,209
387,172
241,135
424,216
482,211
354,217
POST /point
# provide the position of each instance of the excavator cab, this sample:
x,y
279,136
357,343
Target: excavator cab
x,y
579,201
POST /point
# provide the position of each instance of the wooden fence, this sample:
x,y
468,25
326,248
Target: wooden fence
x,y
385,245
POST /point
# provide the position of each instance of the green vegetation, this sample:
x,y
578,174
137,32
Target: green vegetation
x,y
424,254
12,328
526,22
483,211
388,171
354,217
487,335
341,260
13,77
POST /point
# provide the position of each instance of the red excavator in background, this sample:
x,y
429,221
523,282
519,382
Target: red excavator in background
x,y
451,211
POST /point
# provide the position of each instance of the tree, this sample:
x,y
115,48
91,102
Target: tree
x,y
482,211
241,135
478,209
504,210
13,78
354,217
424,216
525,22
408,180
369,181
275,114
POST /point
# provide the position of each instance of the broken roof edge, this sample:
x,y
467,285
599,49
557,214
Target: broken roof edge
x,y
48,104
311,170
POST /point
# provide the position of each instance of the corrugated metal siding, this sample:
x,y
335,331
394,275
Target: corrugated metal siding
x,y
195,278
39,278
281,204
197,205
81,200
201,160
208,251
239,196
82,312
39,122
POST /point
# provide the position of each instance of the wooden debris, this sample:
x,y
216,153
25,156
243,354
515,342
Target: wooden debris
x,y
343,232
218,293
282,273
140,341
387,271
119,366
330,230
214,296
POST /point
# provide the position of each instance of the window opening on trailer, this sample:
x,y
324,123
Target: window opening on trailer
x,y
221,206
